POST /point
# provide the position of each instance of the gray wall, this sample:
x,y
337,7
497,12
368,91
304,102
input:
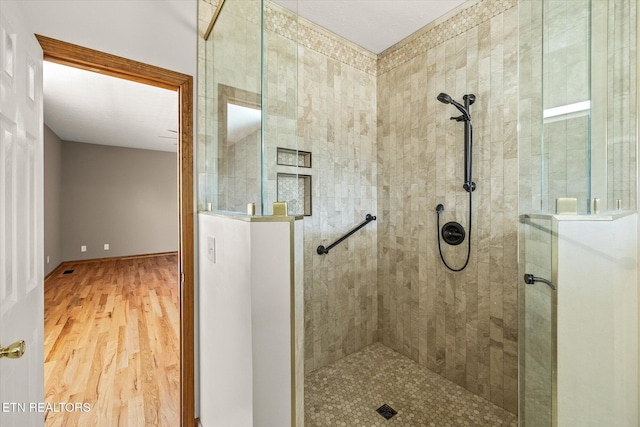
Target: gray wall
x,y
52,193
121,196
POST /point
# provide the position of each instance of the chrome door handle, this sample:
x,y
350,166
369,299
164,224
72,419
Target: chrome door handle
x,y
530,279
14,351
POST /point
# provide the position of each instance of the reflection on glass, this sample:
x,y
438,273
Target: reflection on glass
x,y
566,51
229,158
239,149
250,107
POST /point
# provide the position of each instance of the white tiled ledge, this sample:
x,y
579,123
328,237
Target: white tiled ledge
x,y
602,216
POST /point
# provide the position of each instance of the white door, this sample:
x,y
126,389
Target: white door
x,y
21,221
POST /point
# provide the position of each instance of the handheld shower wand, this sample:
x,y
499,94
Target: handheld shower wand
x,y
452,232
469,99
446,99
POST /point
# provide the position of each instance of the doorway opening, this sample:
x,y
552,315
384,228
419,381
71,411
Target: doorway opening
x,y
100,62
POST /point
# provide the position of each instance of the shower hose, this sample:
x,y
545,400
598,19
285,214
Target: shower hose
x,y
468,240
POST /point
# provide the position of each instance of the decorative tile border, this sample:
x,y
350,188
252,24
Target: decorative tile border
x,y
281,21
311,36
323,41
441,30
287,24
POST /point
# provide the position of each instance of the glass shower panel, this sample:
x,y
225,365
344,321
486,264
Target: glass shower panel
x,y
233,111
576,139
566,103
251,106
617,59
566,158
281,182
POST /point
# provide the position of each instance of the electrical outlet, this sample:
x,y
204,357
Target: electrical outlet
x,y
106,246
47,259
83,248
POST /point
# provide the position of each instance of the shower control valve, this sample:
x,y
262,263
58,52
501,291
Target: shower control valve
x,y
453,233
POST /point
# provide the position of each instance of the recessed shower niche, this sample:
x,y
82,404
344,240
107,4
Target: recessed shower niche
x,y
296,191
294,188
290,157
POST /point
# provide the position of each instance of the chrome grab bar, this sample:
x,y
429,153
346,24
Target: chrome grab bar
x,y
530,279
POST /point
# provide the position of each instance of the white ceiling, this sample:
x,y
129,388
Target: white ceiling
x,y
375,25
105,110
88,107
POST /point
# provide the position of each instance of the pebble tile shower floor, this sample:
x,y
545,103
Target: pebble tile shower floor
x,y
348,392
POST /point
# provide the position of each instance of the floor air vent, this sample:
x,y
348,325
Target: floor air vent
x,y
386,411
68,272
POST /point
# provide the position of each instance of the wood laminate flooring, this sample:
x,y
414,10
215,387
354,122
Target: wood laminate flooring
x,y
112,342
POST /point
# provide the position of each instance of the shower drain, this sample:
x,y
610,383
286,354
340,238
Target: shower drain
x,y
386,411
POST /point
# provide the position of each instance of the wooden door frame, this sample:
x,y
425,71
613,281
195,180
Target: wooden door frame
x,y
104,63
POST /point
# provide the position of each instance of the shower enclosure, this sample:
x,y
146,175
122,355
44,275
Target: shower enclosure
x,y
290,112
578,321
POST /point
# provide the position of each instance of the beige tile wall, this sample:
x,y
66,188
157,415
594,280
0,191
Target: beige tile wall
x,y
337,124
461,325
622,103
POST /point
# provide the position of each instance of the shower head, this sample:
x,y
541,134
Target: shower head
x,y
446,99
